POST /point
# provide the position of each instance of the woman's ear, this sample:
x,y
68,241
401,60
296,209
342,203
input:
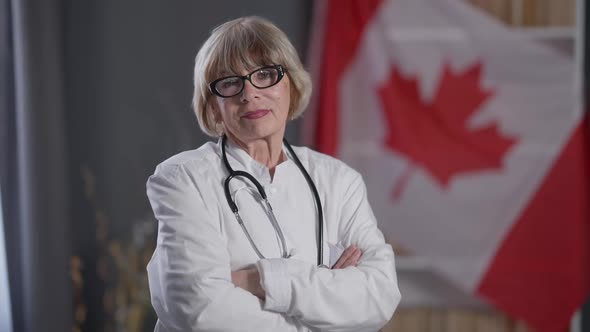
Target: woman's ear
x,y
214,109
293,94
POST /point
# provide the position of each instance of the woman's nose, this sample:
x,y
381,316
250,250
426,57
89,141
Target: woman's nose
x,y
249,92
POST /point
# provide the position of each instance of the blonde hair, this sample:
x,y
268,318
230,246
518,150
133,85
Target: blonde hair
x,y
246,43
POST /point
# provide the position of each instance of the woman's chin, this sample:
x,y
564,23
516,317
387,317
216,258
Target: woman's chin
x,y
260,132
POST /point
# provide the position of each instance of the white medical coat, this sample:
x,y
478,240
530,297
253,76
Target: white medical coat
x,y
200,243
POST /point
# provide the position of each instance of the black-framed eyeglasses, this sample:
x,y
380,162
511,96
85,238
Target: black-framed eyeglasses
x,y
261,78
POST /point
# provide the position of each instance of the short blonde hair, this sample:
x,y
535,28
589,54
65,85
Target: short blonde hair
x,y
246,43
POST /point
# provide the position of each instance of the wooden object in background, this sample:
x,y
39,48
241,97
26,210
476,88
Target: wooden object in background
x,y
493,323
561,13
461,321
451,320
530,13
501,9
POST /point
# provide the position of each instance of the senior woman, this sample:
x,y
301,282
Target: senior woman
x,y
251,230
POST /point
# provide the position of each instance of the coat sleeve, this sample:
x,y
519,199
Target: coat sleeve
x,y
361,298
189,273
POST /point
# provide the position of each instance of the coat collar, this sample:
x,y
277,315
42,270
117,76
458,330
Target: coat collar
x,y
239,159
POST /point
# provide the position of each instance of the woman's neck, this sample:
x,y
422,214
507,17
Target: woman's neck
x,y
268,151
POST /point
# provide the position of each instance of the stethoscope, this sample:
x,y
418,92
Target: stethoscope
x,y
272,217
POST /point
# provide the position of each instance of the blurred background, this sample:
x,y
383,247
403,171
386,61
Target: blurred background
x,y
94,94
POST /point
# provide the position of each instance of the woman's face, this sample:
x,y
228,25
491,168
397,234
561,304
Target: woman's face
x,y
254,113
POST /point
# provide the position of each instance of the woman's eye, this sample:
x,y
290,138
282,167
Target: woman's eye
x,y
225,84
263,74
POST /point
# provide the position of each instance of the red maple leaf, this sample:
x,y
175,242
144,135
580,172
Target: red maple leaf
x,y
436,135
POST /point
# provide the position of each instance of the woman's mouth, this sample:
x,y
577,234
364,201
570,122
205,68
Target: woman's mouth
x,y
255,114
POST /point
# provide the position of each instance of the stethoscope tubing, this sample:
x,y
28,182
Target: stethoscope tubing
x,y
233,174
317,200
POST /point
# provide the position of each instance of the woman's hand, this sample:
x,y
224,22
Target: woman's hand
x,y
249,279
350,257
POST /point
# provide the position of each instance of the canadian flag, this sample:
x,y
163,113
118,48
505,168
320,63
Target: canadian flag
x,y
470,138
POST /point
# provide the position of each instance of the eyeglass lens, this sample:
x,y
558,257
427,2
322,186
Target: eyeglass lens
x,y
260,78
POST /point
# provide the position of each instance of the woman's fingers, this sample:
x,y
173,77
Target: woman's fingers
x,y
357,258
238,278
248,279
354,259
344,257
350,257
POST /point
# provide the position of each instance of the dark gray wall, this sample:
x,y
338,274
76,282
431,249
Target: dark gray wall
x,y
128,92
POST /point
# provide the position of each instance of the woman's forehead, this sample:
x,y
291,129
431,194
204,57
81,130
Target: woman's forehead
x,y
240,68
236,61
